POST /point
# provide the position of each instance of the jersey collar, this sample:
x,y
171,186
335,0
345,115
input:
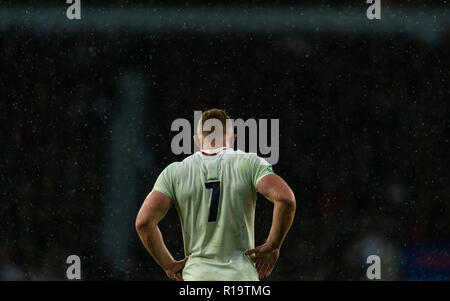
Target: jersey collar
x,y
213,152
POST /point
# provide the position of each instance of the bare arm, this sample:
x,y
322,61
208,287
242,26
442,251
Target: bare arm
x,y
275,189
153,210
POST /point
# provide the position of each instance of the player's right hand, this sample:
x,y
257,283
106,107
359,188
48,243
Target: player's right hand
x,y
265,259
174,272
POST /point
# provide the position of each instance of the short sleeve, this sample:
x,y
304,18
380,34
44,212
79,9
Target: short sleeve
x,y
164,183
260,168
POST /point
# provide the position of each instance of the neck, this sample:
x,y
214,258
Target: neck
x,y
206,147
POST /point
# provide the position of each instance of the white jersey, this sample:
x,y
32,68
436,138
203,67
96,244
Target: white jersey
x,y
214,192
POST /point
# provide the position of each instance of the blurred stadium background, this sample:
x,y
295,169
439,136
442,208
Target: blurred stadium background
x,y
86,108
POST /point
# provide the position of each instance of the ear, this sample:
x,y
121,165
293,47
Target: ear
x,y
231,140
197,141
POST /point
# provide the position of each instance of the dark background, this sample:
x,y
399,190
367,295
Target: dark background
x,y
364,142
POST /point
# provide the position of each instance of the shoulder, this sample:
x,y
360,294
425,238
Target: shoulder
x,y
189,160
252,158
171,168
248,159
239,154
178,165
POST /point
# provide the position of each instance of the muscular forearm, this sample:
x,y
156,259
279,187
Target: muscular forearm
x,y
283,215
152,239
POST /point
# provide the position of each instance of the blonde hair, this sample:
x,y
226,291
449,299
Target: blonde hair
x,y
218,114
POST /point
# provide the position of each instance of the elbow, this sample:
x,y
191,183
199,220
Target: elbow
x,y
140,223
289,202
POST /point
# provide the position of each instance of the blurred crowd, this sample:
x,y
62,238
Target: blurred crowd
x,y
364,143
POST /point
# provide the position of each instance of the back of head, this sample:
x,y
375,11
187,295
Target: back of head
x,y
215,128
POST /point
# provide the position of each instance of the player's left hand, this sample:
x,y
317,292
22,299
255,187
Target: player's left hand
x,y
174,272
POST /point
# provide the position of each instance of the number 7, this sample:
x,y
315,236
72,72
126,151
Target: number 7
x,y
215,186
